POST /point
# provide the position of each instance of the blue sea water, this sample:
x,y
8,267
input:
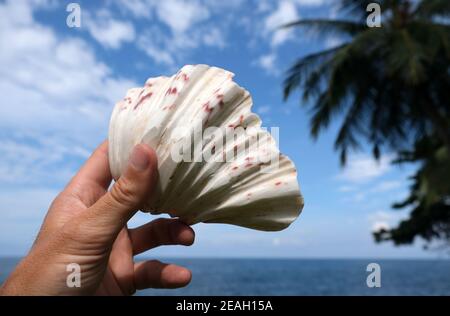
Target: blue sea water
x,y
302,277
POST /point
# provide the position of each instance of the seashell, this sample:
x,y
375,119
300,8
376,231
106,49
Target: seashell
x,y
245,181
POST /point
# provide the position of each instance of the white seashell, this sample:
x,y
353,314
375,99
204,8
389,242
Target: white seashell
x,y
249,191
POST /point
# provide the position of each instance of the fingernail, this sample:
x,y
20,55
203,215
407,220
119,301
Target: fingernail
x,y
139,158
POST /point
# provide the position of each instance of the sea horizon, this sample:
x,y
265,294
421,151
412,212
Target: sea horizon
x,y
443,257
299,276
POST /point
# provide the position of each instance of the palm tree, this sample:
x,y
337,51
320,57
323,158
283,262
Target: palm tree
x,y
391,88
429,197
390,84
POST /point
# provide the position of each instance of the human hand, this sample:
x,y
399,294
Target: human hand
x,y
87,225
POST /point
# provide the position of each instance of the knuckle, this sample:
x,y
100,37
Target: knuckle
x,y
58,200
123,193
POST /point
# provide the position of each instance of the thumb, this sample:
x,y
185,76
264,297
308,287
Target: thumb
x,y
128,194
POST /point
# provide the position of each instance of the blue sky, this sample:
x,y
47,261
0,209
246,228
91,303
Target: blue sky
x,y
59,84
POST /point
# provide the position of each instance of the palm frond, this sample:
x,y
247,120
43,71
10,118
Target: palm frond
x,y
406,57
304,66
433,8
328,27
346,137
431,36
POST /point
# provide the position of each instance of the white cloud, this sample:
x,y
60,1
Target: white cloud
x,y
310,2
263,6
359,197
109,32
169,49
191,24
383,220
369,189
220,5
22,213
59,99
263,109
285,12
138,8
187,26
291,241
268,63
380,225
214,37
178,15
39,162
160,56
386,186
331,42
181,15
346,188
362,168
274,14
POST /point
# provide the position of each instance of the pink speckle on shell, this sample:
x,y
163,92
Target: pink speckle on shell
x,y
207,107
169,107
172,91
220,97
142,99
122,106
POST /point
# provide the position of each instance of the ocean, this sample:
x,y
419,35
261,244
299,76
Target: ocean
x,y
255,277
